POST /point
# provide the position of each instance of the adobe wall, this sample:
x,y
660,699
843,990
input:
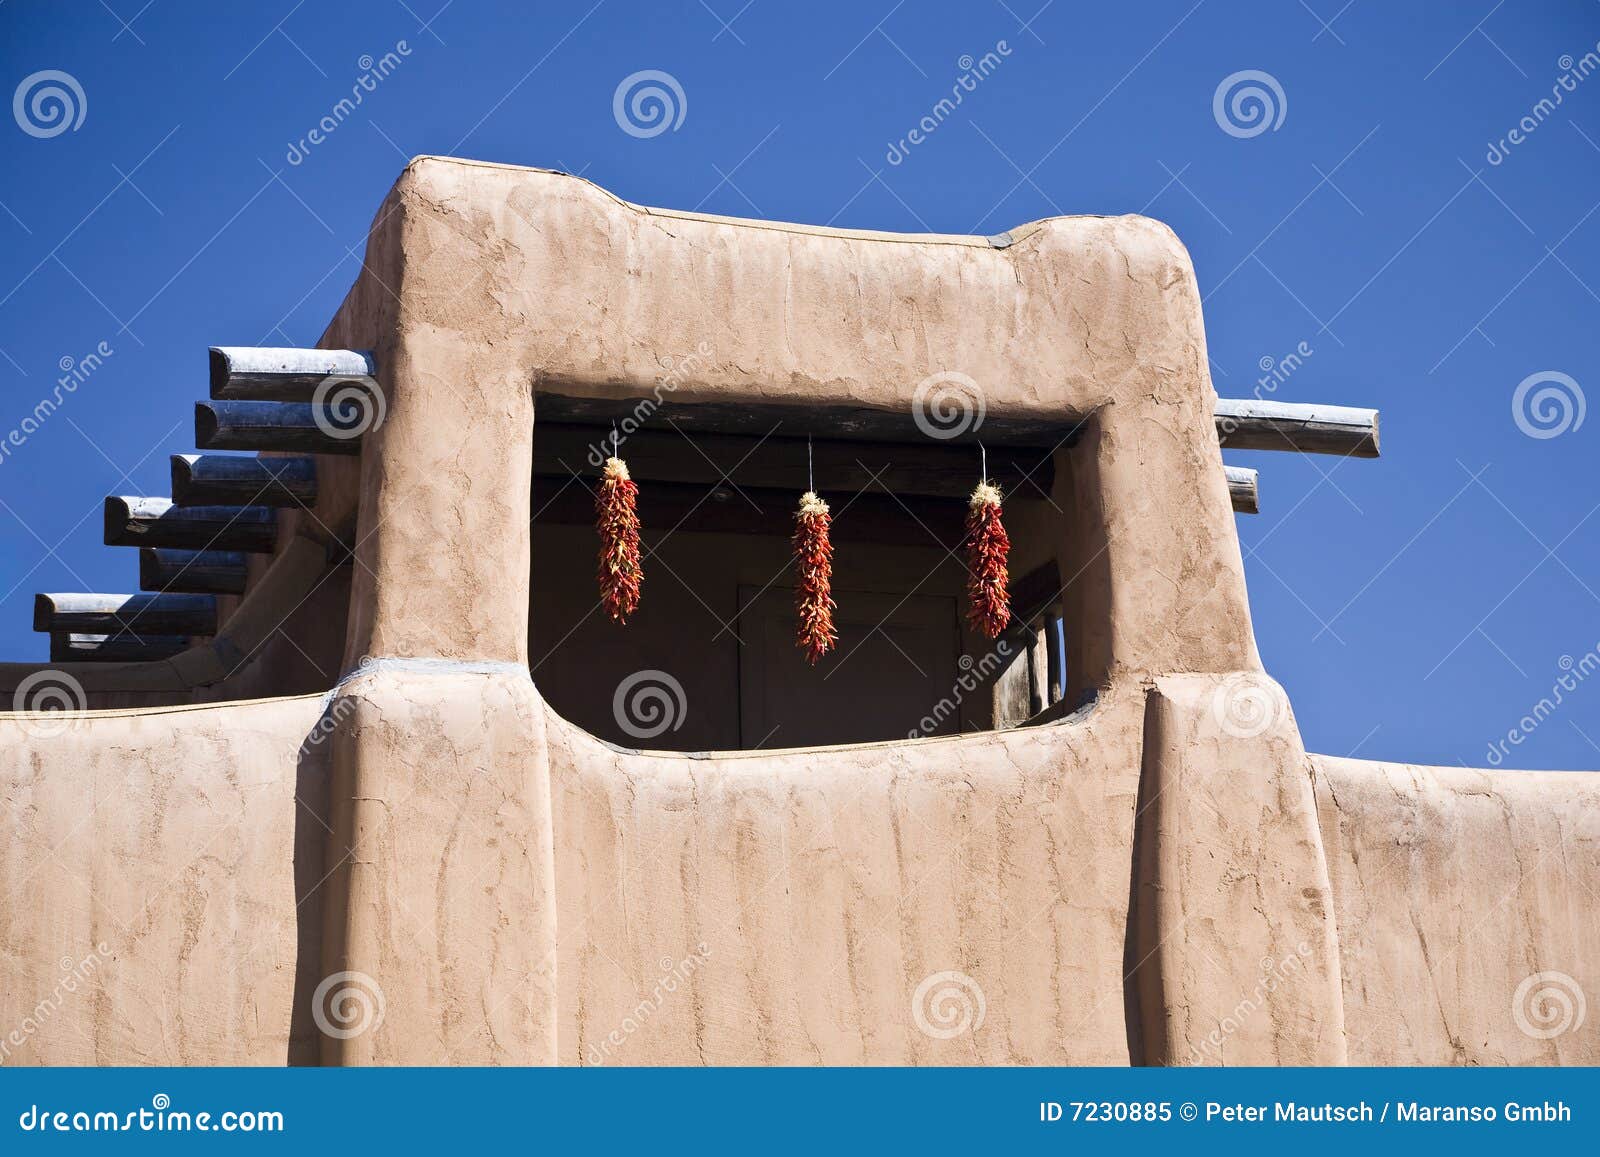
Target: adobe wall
x,y
151,868
1119,885
1452,887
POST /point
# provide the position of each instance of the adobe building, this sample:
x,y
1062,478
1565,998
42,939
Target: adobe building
x,y
363,776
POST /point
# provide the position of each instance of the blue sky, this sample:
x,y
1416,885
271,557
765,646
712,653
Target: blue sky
x,y
1416,607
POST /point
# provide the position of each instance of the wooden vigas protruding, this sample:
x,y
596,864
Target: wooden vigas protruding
x,y
136,615
1243,489
157,522
210,572
123,648
292,427
283,375
1251,424
235,480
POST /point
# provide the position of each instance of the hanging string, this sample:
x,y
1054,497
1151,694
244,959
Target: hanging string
x,y
811,477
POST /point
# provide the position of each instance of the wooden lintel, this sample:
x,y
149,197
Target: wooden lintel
x,y
926,468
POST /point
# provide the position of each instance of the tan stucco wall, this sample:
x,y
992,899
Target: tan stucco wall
x,y
1148,881
821,888
1452,886
152,867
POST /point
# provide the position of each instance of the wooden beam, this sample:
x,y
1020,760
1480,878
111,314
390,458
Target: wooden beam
x,y
211,572
1251,424
283,375
125,614
1244,489
663,412
293,427
157,522
235,480
124,648
927,468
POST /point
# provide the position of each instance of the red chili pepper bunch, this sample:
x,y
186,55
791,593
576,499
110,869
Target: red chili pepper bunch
x,y
617,519
813,599
988,597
